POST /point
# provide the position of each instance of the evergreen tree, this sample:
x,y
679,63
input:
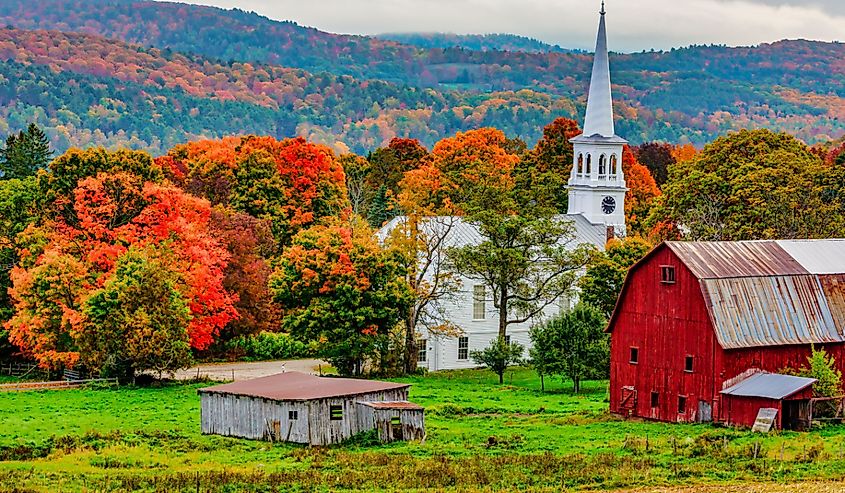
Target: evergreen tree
x,y
24,153
380,208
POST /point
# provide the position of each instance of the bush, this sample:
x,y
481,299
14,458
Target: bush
x,y
268,346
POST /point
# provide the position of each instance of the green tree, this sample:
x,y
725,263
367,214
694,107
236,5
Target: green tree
x,y
543,353
139,320
342,290
498,356
381,208
573,344
25,153
822,367
753,185
602,282
19,207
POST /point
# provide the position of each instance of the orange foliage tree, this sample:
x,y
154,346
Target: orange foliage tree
x,y
112,213
642,192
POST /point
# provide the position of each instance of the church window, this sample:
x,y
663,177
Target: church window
x,y
580,164
602,166
589,163
613,165
479,295
463,348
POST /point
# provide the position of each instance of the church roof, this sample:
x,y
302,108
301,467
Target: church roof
x,y
464,233
598,121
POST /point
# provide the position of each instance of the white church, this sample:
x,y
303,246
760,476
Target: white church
x,y
596,210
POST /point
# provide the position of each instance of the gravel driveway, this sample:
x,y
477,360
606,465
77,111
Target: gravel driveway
x,y
246,371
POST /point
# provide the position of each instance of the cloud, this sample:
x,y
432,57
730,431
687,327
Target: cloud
x,y
633,25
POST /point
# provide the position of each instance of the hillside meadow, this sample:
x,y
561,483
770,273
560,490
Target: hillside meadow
x,y
481,437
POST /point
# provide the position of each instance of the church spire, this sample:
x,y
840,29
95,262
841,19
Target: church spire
x,y
599,118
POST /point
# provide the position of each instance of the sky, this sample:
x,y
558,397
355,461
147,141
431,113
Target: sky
x,y
633,25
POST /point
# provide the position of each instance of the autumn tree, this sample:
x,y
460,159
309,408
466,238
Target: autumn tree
x,y
138,321
657,157
249,243
25,153
550,162
292,183
525,256
754,185
641,195
339,287
602,282
66,258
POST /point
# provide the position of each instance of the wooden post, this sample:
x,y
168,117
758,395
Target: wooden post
x,y
782,445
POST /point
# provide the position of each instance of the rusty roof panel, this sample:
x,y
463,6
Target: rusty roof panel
x,y
295,386
774,310
725,259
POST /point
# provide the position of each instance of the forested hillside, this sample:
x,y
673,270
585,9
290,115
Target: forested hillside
x,y
212,72
477,42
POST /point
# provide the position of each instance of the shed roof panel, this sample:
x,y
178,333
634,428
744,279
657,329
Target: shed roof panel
x,y
817,256
295,386
769,386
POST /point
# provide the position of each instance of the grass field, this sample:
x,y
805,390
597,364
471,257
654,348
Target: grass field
x,y
481,437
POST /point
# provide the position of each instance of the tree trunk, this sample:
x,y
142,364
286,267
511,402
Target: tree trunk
x,y
503,312
501,378
542,383
410,342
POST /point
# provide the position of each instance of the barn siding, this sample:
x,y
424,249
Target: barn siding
x,y
666,322
257,418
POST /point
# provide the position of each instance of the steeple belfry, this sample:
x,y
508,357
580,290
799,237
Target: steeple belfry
x,y
599,119
597,183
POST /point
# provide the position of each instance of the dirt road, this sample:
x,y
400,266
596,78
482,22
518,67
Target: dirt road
x,y
245,371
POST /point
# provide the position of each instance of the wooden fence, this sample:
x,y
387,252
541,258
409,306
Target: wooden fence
x,y
57,385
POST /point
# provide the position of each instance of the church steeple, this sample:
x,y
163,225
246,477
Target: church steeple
x,y
597,183
599,119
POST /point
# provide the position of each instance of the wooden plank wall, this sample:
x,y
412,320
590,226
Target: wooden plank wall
x,y
257,418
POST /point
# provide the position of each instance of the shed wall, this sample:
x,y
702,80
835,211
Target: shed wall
x,y
260,419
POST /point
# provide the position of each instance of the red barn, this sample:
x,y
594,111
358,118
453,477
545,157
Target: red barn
x,y
695,319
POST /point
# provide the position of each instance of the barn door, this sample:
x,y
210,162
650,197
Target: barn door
x,y
628,403
705,412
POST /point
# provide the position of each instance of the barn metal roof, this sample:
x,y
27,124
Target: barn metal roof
x,y
769,292
295,386
775,310
770,386
721,259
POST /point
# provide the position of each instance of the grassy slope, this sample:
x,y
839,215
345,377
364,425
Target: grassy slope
x,y
148,439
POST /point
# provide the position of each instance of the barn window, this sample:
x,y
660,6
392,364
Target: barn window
x,y
336,413
682,404
635,355
667,274
293,415
688,364
463,347
479,294
422,354
655,399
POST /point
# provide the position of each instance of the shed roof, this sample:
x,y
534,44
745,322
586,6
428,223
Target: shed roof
x,y
770,386
295,386
404,405
723,259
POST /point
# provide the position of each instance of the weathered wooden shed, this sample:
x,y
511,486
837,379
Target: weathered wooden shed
x,y
301,408
694,317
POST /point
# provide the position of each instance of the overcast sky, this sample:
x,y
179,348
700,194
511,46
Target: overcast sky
x,y
634,25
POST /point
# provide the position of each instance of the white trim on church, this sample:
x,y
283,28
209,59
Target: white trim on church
x,y
596,203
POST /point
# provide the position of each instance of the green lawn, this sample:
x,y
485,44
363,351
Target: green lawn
x,y
481,437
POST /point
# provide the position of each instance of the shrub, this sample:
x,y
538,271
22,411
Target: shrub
x,y
268,346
